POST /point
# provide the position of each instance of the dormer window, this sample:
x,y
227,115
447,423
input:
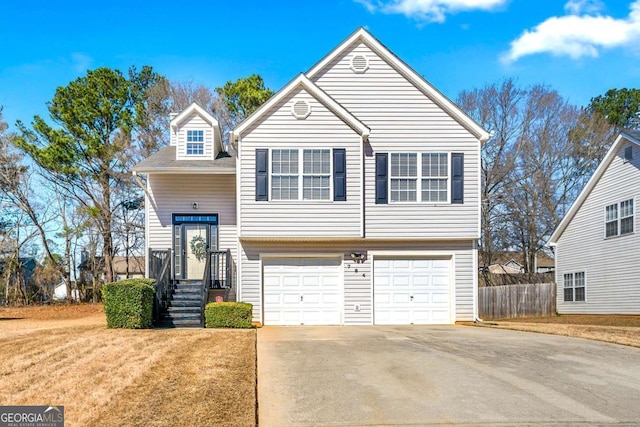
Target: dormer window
x,y
195,142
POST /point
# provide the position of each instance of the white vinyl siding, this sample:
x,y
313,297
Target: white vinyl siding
x,y
215,194
404,119
611,282
280,130
357,278
188,143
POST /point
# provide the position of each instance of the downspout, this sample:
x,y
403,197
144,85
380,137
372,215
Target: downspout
x,y
363,140
234,140
475,282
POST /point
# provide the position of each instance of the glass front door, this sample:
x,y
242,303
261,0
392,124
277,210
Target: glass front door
x,y
193,236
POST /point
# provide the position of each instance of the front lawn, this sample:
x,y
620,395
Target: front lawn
x,y
115,377
613,329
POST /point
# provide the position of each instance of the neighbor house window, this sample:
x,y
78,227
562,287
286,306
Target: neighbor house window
x,y
195,142
313,170
619,219
423,177
574,287
284,174
316,175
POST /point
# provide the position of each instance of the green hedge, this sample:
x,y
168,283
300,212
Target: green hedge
x,y
228,315
129,303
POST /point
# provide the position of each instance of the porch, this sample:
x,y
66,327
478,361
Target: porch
x,y
179,298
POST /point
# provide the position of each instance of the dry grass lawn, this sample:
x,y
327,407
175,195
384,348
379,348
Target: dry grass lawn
x,y
64,355
623,330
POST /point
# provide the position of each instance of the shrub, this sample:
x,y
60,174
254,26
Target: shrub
x,y
228,315
129,303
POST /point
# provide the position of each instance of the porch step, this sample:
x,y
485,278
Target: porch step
x,y
184,306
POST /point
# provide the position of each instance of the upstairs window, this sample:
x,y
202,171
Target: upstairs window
x,y
284,174
195,142
574,287
418,177
316,175
313,169
619,219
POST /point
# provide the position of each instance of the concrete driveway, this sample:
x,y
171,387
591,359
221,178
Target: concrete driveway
x,y
411,375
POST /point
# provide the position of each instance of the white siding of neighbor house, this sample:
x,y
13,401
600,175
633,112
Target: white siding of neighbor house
x,y
280,129
194,122
611,265
358,288
215,194
404,119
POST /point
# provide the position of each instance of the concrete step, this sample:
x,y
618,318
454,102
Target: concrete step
x,y
184,309
179,323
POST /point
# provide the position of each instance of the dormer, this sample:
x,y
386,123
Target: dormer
x,y
195,134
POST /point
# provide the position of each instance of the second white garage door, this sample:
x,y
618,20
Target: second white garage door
x,y
302,291
412,291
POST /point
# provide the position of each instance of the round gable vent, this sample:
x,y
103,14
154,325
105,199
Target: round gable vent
x,y
301,109
359,64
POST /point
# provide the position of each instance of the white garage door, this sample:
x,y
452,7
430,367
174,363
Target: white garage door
x,y
302,291
412,291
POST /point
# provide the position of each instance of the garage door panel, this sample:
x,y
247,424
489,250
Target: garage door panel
x,y
396,281
308,291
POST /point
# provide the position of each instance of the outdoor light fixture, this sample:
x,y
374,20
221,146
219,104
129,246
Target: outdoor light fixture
x,y
195,205
358,258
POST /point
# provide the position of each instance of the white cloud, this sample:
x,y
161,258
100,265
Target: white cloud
x,y
583,32
576,7
429,10
80,62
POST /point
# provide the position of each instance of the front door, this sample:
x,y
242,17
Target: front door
x,y
196,245
193,236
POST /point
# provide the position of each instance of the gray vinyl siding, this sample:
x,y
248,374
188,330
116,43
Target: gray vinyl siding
x,y
358,286
404,119
176,194
194,122
611,265
280,129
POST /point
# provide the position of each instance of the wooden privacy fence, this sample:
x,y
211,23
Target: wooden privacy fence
x,y
529,300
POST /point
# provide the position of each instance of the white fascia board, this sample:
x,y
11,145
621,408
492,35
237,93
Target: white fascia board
x,y
317,93
593,181
190,171
184,114
418,81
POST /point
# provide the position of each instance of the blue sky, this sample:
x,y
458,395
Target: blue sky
x,y
581,48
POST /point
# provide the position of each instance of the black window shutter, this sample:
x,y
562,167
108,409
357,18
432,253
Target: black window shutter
x,y
381,178
339,175
262,174
457,178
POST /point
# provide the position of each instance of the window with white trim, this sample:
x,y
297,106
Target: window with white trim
x,y
313,169
574,285
619,219
422,177
316,175
195,142
284,174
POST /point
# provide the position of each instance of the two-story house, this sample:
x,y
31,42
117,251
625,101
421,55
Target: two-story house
x,y
352,198
597,244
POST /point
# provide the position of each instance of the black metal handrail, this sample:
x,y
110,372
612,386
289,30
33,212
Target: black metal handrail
x,y
160,270
218,270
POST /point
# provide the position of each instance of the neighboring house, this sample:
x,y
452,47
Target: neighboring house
x,y
60,292
597,244
352,197
512,262
135,268
27,268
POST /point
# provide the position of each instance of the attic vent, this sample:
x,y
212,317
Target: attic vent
x,y
359,64
301,110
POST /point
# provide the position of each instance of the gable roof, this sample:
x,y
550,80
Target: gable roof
x,y
416,79
313,90
623,138
195,108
